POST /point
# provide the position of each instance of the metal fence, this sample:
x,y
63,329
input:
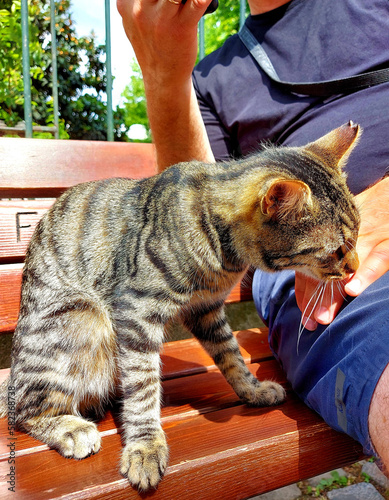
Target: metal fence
x,y
26,65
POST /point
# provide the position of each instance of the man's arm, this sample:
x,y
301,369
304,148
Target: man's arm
x,y
164,37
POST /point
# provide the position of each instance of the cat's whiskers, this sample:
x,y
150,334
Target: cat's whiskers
x,y
332,292
318,295
350,244
340,289
319,291
322,292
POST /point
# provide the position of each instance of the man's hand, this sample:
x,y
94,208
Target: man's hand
x,y
373,252
373,238
163,34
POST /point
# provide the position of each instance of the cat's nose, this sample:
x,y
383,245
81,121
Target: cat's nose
x,y
351,262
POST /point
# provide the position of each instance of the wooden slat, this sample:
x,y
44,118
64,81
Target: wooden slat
x,y
47,167
186,357
10,284
18,220
229,452
239,467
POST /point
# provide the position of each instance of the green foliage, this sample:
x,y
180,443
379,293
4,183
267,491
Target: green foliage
x,y
134,106
11,80
81,72
366,477
330,483
221,24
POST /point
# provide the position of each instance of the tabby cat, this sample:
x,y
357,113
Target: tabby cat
x,y
113,261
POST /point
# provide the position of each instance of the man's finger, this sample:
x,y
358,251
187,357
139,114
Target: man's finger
x,y
317,302
372,268
332,301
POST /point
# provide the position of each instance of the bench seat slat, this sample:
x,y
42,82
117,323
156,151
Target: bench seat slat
x,y
238,440
187,357
10,285
47,168
18,221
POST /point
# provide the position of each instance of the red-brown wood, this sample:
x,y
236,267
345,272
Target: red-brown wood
x,y
10,284
213,438
231,455
39,167
18,221
187,357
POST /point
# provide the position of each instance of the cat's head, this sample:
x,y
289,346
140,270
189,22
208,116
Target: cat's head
x,y
308,219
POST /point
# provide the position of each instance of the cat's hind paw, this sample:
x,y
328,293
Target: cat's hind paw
x,y
265,393
144,462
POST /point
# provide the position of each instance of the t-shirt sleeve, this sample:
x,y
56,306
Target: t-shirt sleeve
x,y
221,144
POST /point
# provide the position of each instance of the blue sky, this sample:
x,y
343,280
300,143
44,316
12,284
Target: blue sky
x,y
88,15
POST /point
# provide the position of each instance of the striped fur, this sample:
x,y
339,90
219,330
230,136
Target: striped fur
x,y
113,261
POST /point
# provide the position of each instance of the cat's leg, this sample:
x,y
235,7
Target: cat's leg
x,y
71,436
211,328
145,455
63,367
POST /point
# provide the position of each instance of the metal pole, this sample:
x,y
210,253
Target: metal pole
x,y
242,16
110,136
201,39
26,69
54,69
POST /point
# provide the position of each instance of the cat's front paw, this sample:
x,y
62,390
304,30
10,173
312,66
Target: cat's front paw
x,y
75,437
265,393
144,462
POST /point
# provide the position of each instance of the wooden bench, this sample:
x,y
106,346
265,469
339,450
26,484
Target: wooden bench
x,y
219,448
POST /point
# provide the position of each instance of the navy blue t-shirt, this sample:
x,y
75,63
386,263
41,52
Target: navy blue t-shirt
x,y
307,41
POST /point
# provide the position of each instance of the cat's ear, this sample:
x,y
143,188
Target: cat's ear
x,y
286,198
335,147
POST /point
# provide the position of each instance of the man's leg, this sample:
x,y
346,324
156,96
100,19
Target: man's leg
x,y
379,420
339,370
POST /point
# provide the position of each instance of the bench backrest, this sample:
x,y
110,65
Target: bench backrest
x,y
33,172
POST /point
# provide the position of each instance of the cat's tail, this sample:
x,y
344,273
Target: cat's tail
x,y
4,398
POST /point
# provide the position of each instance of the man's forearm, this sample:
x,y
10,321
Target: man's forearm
x,y
177,127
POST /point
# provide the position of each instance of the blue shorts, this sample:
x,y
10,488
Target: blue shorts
x,y
334,369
